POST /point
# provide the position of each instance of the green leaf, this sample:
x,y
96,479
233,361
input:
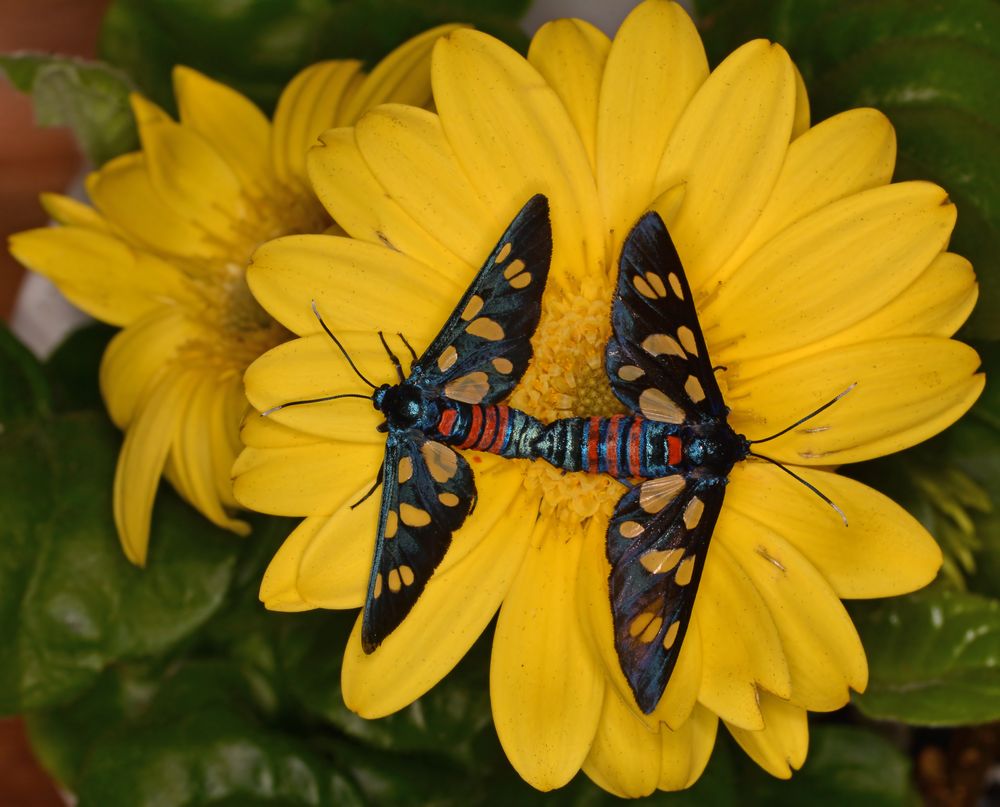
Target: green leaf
x,y
200,742
24,391
70,604
931,67
258,45
933,658
91,98
72,369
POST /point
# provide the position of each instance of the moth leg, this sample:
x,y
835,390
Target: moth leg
x,y
378,481
392,356
409,347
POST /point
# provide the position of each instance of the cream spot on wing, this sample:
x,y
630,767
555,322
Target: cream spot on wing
x,y
675,285
640,623
414,516
521,281
504,252
441,461
629,372
485,328
660,562
630,529
473,307
471,388
671,635
692,513
515,268
395,582
656,282
502,365
378,585
448,499
659,344
643,287
405,470
391,524
655,405
685,571
655,494
651,630
686,335
694,390
406,574
447,358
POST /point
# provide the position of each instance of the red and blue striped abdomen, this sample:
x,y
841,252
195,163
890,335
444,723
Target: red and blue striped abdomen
x,y
495,428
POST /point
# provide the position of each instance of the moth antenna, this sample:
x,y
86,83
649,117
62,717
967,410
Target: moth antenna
x,y
336,341
809,485
409,347
810,416
267,412
392,356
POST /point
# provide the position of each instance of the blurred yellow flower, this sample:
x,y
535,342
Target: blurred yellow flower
x,y
811,272
163,254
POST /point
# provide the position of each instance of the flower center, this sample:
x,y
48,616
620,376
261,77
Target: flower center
x,y
566,379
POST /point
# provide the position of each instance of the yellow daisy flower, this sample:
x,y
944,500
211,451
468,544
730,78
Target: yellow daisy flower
x,y
811,272
163,254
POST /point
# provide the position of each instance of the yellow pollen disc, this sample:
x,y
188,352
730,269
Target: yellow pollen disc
x,y
473,307
671,635
391,524
414,516
685,571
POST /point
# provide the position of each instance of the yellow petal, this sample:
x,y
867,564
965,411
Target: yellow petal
x,y
305,480
193,453
570,56
829,270
514,138
822,648
800,125
335,564
312,367
188,173
454,609
124,193
227,413
741,647
403,77
908,389
546,685
97,272
228,120
356,286
844,155
884,551
626,755
279,585
686,752
345,185
655,66
594,604
67,210
140,463
263,432
138,354
409,155
782,746
728,147
308,106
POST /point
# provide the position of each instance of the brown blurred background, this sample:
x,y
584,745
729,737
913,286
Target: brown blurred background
x,y
33,160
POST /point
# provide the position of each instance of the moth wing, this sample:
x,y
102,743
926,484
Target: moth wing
x,y
656,359
427,493
485,346
657,542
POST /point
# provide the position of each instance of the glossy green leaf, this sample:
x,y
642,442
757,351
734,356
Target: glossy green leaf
x,y
70,604
91,98
258,45
931,67
933,658
24,392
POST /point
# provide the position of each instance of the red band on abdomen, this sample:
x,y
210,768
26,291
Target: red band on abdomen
x,y
489,430
593,441
504,415
611,443
447,421
675,450
633,448
474,428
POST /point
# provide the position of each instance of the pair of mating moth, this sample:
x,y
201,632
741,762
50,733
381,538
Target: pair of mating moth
x,y
674,451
